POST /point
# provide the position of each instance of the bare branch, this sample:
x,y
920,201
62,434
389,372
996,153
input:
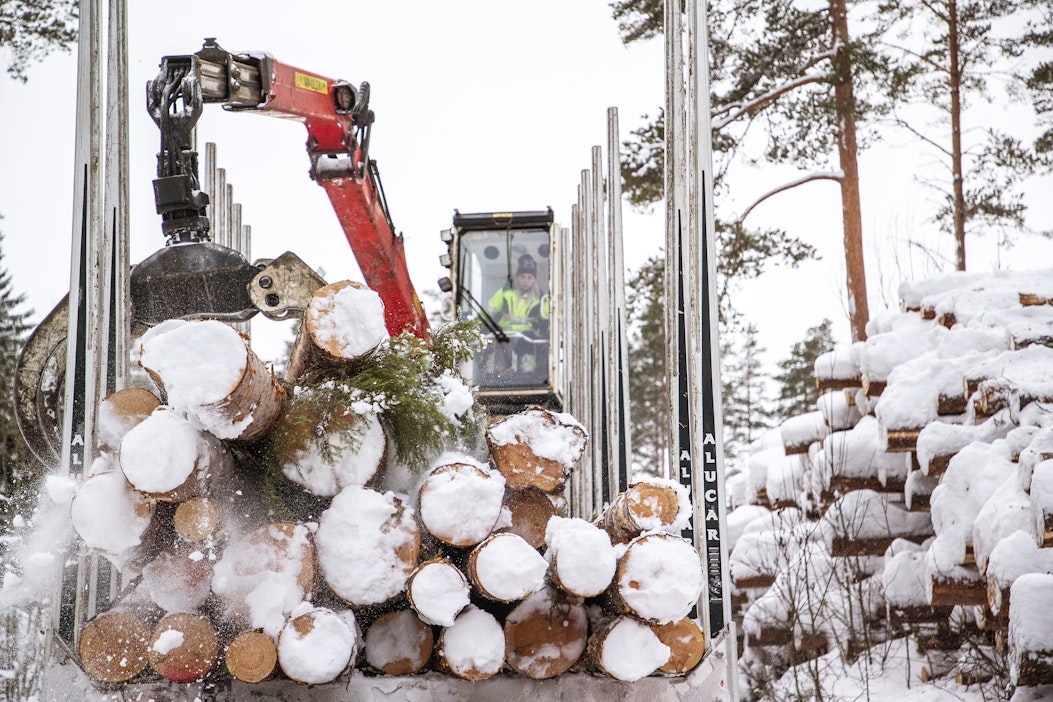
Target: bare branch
x,y
837,176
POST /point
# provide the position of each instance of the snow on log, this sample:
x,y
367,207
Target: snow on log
x,y
207,369
113,647
865,523
264,575
251,657
399,643
1041,502
536,448
344,322
686,644
183,647
460,500
837,369
325,459
1007,510
626,650
110,516
196,519
1031,630
178,580
801,431
317,646
438,591
545,635
582,560
169,460
1013,556
531,511
839,410
856,460
659,579
120,411
474,647
653,503
367,543
505,568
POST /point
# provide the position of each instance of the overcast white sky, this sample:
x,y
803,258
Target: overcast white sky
x,y
479,106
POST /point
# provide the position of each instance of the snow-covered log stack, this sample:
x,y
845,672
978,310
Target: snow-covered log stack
x,y
354,517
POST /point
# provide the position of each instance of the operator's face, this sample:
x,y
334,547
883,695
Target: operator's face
x,y
525,281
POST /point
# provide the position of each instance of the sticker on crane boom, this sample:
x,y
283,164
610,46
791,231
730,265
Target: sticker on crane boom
x,y
317,85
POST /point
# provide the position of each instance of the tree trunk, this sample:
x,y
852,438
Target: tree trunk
x,y
686,644
644,506
113,647
536,448
627,650
183,647
505,568
317,647
531,510
582,560
399,643
858,309
196,519
474,647
251,657
659,579
545,635
954,81
122,410
460,503
438,591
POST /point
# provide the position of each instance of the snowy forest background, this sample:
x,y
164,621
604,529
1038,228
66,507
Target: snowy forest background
x,y
802,87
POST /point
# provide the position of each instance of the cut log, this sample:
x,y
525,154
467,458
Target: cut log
x,y
263,575
531,509
626,649
686,643
505,568
968,591
659,579
438,592
179,580
251,657
1032,299
582,560
183,647
344,323
474,647
111,517
399,643
951,405
196,519
120,411
317,647
645,506
368,544
208,370
460,502
902,440
323,457
545,635
113,647
166,458
536,448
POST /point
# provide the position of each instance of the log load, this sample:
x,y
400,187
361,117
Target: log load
x,y
438,591
399,643
344,323
581,559
530,509
545,635
183,647
111,517
251,657
536,448
196,520
317,646
208,369
655,503
686,643
166,458
626,649
120,411
474,647
1030,627
367,544
460,501
659,579
505,568
113,647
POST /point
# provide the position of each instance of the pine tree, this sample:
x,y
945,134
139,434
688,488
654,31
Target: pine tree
x,y
796,379
15,459
31,29
744,392
649,412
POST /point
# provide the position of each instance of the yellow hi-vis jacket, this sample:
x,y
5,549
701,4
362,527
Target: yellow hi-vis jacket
x,y
518,312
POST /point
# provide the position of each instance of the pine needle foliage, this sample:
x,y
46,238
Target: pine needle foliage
x,y
404,383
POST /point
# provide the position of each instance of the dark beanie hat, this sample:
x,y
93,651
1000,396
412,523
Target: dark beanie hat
x,y
527,265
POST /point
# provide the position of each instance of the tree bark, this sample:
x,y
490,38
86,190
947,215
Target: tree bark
x,y
845,107
954,80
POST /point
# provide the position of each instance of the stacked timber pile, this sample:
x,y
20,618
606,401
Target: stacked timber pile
x,y
363,517
926,509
